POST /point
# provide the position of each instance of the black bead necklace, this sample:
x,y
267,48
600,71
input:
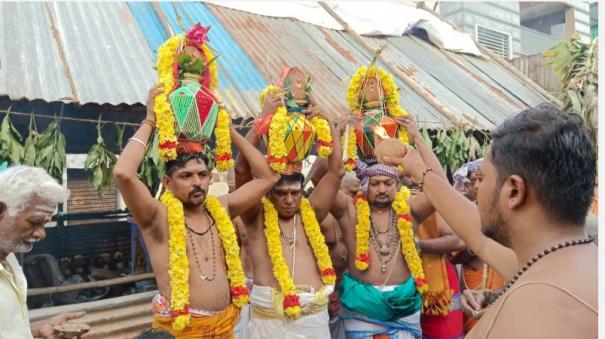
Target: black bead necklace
x,y
537,257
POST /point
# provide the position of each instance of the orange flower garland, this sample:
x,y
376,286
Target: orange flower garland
x,y
291,301
406,232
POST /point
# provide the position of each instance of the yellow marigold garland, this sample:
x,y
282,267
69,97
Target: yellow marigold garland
x,y
165,117
324,136
224,157
291,302
178,263
276,148
351,151
163,111
226,231
318,243
406,232
362,233
390,94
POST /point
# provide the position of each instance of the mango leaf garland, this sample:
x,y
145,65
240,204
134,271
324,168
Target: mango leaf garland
x,y
11,149
99,164
50,151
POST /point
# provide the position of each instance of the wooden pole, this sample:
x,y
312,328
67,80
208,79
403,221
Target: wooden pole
x,y
426,95
92,284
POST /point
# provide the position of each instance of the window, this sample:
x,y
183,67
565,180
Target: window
x,y
496,41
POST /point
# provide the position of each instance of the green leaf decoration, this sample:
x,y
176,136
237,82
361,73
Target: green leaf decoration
x,y
120,136
99,163
11,147
151,170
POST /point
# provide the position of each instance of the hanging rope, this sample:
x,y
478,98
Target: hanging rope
x,y
95,121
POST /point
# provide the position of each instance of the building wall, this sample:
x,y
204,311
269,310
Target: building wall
x,y
581,18
505,17
501,16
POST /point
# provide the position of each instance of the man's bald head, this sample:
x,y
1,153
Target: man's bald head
x,y
350,184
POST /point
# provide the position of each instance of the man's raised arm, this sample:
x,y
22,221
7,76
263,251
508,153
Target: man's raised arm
x,y
460,213
139,200
421,207
325,192
242,170
249,194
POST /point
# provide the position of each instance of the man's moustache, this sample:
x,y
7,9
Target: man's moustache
x,y
197,190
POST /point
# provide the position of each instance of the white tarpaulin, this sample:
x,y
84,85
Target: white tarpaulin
x,y
384,18
305,11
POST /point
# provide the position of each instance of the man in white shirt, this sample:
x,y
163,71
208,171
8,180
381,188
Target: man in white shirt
x,y
28,198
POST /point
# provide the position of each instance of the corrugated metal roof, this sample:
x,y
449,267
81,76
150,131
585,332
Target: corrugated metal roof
x,y
105,52
86,51
327,55
239,79
473,89
25,50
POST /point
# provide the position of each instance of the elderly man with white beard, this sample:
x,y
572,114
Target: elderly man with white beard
x,y
28,198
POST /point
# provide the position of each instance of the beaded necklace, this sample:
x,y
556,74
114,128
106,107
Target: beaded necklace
x,y
537,257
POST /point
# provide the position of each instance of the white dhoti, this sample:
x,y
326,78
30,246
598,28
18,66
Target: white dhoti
x,y
241,330
267,320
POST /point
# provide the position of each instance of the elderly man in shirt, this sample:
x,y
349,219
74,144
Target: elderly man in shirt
x,y
28,197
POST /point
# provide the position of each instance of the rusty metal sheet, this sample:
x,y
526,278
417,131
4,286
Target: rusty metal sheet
x,y
329,56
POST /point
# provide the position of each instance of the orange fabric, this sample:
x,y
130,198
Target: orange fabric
x,y
218,326
437,300
594,208
473,280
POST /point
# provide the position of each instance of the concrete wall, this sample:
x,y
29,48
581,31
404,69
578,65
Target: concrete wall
x,y
581,18
501,16
504,16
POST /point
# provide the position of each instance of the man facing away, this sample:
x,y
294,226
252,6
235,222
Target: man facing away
x,y
28,198
536,187
382,299
212,313
267,317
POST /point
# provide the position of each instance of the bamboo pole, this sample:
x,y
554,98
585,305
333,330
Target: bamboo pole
x,y
92,284
426,95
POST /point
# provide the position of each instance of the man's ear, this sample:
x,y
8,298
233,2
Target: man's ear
x,y
516,191
165,181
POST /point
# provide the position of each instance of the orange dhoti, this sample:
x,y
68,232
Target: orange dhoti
x,y
473,280
216,326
